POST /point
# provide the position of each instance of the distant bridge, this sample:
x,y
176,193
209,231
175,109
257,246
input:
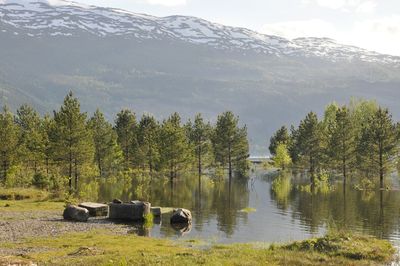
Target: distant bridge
x,y
259,159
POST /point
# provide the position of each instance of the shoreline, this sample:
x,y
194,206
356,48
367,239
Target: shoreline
x,y
33,232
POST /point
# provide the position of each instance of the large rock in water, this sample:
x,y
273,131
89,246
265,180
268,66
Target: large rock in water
x,y
181,216
133,211
95,209
75,213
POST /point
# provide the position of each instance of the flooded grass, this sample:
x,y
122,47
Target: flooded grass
x,y
248,210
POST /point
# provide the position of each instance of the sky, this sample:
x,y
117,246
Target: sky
x,y
370,24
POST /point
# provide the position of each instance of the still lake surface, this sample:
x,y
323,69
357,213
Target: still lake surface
x,y
283,210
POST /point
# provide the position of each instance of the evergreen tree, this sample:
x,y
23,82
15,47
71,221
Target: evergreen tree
x,y
230,144
342,142
107,151
280,137
174,147
379,143
199,137
126,128
148,152
32,138
309,143
71,140
9,134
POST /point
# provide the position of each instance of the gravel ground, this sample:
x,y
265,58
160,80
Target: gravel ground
x,y
15,226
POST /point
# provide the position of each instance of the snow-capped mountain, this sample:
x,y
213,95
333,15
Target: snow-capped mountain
x,y
37,18
114,59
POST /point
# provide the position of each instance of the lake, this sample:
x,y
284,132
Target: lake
x,y
283,210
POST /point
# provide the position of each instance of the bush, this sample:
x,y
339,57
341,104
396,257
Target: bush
x,y
41,181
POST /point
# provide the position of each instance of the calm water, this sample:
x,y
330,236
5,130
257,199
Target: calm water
x,y
284,211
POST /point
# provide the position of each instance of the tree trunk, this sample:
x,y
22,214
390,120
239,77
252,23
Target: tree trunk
x,y
344,170
312,171
171,171
100,168
381,167
5,170
70,173
230,162
76,175
199,161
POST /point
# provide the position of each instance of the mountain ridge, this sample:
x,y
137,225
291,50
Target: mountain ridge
x,y
165,72
63,18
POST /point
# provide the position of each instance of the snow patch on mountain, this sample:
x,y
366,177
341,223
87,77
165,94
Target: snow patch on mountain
x,y
66,18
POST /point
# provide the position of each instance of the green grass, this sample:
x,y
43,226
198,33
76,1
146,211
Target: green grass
x,y
23,194
103,248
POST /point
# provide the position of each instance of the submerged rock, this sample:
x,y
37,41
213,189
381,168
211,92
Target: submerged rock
x,y
75,213
181,216
133,211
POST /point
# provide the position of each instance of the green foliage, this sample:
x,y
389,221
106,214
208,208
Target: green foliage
x,y
9,145
175,152
199,134
230,144
347,245
148,220
280,137
107,151
41,181
71,139
148,152
52,152
282,158
126,128
359,138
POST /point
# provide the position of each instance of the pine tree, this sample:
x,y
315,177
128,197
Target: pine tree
x,y
107,151
126,128
32,138
280,137
148,150
199,137
342,144
379,143
309,143
9,134
71,140
230,144
174,146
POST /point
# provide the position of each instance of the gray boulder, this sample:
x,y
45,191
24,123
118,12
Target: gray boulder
x,y
75,213
133,211
95,209
181,216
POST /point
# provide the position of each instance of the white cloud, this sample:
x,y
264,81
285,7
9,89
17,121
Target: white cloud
x,y
381,35
359,6
167,2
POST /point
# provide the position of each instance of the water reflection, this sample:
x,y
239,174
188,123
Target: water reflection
x,y
284,209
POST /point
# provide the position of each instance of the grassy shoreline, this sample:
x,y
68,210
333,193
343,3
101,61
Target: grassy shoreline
x,y
103,245
104,248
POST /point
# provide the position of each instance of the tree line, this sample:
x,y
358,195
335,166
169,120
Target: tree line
x,y
61,147
360,138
